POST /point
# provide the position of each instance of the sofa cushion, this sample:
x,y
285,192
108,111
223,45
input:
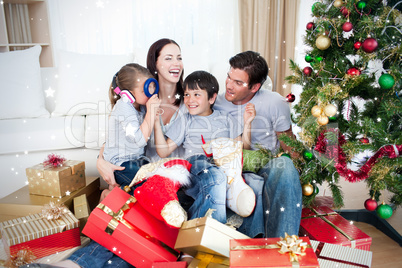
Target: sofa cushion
x,y
84,80
41,134
95,130
21,84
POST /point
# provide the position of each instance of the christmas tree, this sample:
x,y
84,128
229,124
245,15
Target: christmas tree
x,y
350,109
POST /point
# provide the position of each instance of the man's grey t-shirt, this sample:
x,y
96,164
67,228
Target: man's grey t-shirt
x,y
272,115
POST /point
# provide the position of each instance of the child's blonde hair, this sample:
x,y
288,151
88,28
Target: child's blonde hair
x,y
127,78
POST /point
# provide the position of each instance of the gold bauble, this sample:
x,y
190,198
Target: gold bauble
x,y
307,189
330,110
316,111
338,3
323,120
323,42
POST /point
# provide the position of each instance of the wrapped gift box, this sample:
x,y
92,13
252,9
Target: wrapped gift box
x,y
56,181
206,260
177,264
206,235
81,207
121,225
331,255
20,203
325,225
264,252
43,237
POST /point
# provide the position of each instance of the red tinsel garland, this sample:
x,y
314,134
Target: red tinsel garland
x,y
335,152
54,160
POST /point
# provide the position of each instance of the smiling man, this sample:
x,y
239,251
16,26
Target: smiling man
x,y
277,185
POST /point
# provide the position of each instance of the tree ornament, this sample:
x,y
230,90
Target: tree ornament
x,y
330,110
364,140
347,26
310,26
290,97
353,71
323,42
357,45
345,12
338,3
307,155
370,204
307,70
369,45
316,111
308,58
316,189
384,211
286,154
332,118
322,120
318,58
307,189
320,30
386,81
361,5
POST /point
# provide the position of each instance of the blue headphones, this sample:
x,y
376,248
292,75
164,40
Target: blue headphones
x,y
128,96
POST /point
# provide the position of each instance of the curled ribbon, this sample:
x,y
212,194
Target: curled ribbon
x,y
292,245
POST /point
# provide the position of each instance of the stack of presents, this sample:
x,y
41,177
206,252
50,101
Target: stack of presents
x,y
59,211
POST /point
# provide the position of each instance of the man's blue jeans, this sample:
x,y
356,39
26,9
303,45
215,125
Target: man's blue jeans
x,y
208,188
279,200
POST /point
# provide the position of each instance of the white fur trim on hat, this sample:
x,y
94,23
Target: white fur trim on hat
x,y
176,173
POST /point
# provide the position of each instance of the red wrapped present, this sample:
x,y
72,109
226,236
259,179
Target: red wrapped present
x,y
121,225
177,264
331,255
41,235
325,225
291,251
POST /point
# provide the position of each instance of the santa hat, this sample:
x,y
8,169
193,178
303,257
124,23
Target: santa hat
x,y
177,170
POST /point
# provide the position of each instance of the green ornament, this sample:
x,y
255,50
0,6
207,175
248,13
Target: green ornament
x,y
308,155
316,190
361,5
384,211
332,118
286,154
318,58
320,29
308,58
386,81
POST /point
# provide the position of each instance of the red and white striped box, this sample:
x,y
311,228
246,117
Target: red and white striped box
x,y
332,255
43,237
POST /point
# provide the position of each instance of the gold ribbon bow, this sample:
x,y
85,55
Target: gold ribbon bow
x,y
292,245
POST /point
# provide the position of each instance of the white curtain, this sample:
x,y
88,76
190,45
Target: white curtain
x,y
18,27
126,26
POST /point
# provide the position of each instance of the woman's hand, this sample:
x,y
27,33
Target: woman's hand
x,y
106,170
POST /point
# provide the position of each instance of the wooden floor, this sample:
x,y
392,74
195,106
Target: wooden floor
x,y
386,252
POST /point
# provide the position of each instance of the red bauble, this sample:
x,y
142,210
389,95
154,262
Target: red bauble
x,y
310,26
290,97
364,140
369,45
357,45
370,204
307,71
347,26
345,11
353,71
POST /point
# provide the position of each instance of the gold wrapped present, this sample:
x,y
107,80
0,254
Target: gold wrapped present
x,y
56,181
81,207
206,235
206,260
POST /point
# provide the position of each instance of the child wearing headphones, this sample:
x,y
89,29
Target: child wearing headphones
x,y
131,122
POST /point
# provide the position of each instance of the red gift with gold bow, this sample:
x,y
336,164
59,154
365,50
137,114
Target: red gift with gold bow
x,y
120,224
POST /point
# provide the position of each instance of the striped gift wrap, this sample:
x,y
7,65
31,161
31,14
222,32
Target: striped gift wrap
x,y
43,237
332,255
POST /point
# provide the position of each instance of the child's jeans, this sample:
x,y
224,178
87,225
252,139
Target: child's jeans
x,y
124,177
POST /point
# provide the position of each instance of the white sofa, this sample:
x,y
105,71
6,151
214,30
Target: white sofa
x,y
63,109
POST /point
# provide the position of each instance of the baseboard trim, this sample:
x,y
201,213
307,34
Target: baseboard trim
x,y
371,217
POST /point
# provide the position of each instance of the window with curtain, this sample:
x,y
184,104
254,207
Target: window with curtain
x,y
17,21
124,26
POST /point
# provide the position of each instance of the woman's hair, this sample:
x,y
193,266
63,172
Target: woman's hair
x,y
153,54
126,78
253,64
